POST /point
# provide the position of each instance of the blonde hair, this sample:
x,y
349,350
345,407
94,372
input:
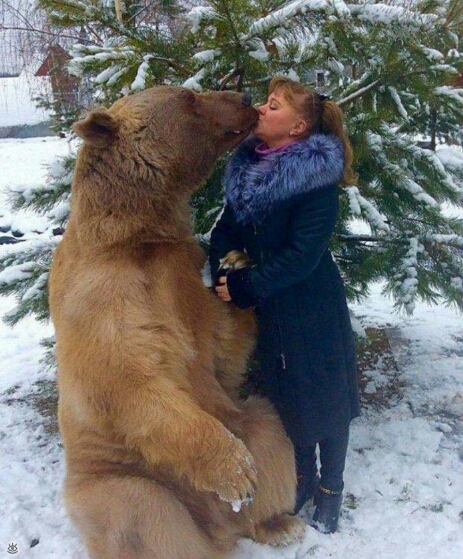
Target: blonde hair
x,y
321,115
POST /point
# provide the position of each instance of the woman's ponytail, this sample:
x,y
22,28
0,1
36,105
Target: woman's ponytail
x,y
332,122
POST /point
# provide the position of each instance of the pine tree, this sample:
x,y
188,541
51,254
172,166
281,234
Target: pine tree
x,y
391,68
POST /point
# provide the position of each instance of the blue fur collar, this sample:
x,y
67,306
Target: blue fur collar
x,y
255,184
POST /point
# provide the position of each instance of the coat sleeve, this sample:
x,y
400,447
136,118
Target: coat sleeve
x,y
225,237
311,227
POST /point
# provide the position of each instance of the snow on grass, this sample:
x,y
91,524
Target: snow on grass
x,y
24,163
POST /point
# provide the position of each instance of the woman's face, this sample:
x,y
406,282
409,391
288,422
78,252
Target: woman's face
x,y
279,123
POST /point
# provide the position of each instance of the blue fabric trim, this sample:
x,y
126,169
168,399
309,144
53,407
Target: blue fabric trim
x,y
255,184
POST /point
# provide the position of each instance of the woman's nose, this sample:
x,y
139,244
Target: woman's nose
x,y
261,109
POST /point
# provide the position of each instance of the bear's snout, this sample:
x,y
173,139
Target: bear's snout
x,y
246,99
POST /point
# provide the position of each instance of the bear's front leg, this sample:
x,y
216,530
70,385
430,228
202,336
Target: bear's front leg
x,y
170,428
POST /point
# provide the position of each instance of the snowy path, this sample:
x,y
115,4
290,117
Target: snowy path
x,y
404,478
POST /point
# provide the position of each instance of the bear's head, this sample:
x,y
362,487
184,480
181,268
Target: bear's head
x,y
143,157
167,131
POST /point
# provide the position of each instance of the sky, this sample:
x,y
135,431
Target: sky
x,y
404,475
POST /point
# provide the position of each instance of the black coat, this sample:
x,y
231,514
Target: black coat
x,y
305,347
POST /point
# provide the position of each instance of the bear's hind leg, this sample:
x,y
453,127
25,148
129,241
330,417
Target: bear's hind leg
x,y
273,453
282,529
135,518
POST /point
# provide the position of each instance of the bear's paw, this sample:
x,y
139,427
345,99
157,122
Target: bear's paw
x,y
284,529
231,473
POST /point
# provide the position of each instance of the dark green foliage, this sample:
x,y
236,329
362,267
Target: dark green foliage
x,y
25,274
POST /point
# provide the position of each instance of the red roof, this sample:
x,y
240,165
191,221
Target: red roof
x,y
56,56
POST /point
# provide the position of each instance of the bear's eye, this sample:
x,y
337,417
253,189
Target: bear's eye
x,y
190,97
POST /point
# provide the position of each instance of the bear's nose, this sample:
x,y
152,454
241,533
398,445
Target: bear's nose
x,y
246,99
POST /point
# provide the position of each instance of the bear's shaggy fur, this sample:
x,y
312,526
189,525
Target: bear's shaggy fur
x,y
158,443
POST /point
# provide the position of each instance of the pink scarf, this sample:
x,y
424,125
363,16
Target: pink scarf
x,y
263,149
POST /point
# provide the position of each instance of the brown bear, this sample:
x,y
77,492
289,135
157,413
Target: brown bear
x,y
164,460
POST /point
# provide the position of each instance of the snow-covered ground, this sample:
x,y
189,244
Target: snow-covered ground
x,y
24,163
404,477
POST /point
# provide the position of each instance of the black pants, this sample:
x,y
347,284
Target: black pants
x,y
332,452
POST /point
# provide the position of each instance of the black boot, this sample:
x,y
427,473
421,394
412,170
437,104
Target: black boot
x,y
307,486
307,475
328,507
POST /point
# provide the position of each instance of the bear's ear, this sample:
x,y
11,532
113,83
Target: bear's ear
x,y
98,129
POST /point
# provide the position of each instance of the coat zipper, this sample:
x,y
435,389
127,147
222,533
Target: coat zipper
x,y
282,354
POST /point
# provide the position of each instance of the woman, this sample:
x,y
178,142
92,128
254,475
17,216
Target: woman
x,y
282,205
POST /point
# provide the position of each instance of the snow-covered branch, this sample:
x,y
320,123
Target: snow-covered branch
x,y
360,205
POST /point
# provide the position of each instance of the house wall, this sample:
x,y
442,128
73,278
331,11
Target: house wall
x,y
19,116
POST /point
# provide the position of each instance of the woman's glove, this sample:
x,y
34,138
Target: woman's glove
x,y
240,288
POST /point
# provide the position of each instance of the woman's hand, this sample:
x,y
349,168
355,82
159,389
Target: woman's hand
x,y
222,289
